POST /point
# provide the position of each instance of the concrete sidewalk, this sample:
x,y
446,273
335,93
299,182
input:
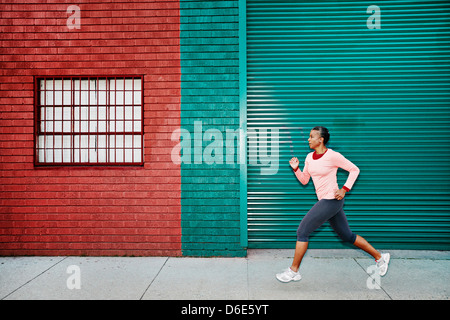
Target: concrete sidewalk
x,y
327,274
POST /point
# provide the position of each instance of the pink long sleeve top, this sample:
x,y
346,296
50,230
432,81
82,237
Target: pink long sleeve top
x,y
323,172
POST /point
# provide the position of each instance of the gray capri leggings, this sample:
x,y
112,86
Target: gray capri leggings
x,y
326,210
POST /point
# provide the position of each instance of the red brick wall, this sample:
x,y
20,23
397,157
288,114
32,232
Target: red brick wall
x,y
89,210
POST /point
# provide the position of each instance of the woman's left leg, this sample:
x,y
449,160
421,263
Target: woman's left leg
x,y
340,224
363,244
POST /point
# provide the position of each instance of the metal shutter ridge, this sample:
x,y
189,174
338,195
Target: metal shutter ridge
x,y
385,96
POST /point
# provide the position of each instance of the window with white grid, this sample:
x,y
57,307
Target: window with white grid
x,y
89,120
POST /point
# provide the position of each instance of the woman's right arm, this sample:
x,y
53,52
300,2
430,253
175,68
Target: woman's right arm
x,y
304,176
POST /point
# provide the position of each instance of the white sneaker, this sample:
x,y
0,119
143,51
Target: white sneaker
x,y
289,275
383,263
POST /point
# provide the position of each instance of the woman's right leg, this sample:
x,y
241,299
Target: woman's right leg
x,y
316,216
322,211
300,250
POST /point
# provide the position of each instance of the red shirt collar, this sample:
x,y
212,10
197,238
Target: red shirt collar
x,y
318,156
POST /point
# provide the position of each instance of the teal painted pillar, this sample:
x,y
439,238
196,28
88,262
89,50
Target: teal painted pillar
x,y
210,112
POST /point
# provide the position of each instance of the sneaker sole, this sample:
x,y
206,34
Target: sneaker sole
x,y
387,264
286,281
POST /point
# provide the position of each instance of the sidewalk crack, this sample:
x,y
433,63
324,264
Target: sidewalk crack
x,y
167,259
33,278
365,271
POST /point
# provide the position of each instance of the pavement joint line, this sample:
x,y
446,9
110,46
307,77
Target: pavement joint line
x,y
142,296
365,271
248,281
64,258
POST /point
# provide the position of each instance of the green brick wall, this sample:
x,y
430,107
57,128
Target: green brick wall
x,y
210,97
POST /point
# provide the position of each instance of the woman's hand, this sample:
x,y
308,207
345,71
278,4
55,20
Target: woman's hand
x,y
294,163
340,194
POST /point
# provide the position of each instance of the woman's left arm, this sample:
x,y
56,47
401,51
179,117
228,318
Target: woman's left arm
x,y
349,166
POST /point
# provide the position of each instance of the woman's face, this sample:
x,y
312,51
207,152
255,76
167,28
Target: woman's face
x,y
315,140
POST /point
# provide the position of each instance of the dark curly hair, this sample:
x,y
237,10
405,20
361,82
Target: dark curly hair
x,y
324,133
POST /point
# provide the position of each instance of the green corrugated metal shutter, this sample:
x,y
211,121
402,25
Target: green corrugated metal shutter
x,y
385,96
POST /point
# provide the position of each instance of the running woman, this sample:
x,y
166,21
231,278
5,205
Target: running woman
x,y
322,165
